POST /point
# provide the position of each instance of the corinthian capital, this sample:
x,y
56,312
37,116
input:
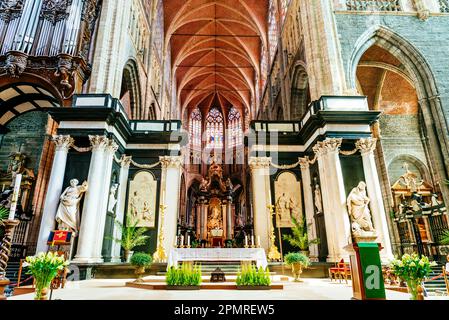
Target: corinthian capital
x,y
366,145
171,162
63,143
112,146
259,163
304,163
329,145
125,161
98,142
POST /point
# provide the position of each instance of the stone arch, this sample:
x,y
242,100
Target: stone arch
x,y
417,165
300,94
419,71
130,93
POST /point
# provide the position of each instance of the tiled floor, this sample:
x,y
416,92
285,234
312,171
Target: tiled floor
x,y
310,289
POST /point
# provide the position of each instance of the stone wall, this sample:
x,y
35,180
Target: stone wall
x,y
430,38
27,132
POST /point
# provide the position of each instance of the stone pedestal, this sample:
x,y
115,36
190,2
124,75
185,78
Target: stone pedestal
x,y
5,251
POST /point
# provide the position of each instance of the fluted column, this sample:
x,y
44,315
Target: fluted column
x,y
120,207
367,147
110,150
338,228
309,206
261,193
229,228
170,186
89,219
54,190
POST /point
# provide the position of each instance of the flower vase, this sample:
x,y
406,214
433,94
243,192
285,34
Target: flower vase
x,y
412,286
41,292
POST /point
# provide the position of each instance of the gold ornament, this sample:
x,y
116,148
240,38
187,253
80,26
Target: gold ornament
x,y
273,253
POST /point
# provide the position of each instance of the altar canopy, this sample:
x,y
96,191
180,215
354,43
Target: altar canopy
x,y
219,255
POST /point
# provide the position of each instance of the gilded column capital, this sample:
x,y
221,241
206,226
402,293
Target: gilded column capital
x,y
327,146
125,161
63,143
112,146
366,145
259,162
98,142
304,163
175,162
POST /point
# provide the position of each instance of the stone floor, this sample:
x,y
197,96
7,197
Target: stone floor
x,y
310,289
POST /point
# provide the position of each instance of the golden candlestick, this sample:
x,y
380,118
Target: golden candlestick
x,y
273,253
160,255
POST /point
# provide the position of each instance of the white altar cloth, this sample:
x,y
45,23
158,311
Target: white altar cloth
x,y
218,254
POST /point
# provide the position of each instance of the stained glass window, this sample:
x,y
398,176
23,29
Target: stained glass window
x,y
235,132
195,128
272,29
214,129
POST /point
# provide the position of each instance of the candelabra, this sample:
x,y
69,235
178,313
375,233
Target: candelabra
x,y
273,253
160,255
5,250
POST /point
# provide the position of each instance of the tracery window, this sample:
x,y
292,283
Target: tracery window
x,y
235,131
195,128
272,30
214,129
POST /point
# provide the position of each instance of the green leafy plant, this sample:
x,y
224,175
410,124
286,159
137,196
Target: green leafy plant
x,y
4,213
296,257
445,237
44,267
250,275
412,269
187,275
141,259
132,236
299,237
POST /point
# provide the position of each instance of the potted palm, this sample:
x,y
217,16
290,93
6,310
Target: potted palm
x,y
297,261
412,269
4,212
141,261
299,237
44,267
132,236
445,237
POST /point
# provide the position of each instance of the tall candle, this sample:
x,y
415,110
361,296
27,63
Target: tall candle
x,y
188,240
182,240
252,240
15,197
258,241
246,240
163,197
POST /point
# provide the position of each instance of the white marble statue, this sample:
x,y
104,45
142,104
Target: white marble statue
x,y
112,197
318,199
358,209
67,215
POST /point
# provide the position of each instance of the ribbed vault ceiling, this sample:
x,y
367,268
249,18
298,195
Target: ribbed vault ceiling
x,y
215,49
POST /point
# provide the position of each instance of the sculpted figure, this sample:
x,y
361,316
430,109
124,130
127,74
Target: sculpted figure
x,y
112,198
318,199
283,207
358,210
67,215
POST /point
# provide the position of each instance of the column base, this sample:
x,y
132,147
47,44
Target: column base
x,y
116,260
81,260
334,259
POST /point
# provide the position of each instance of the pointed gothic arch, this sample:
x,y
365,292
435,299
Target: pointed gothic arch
x,y
130,92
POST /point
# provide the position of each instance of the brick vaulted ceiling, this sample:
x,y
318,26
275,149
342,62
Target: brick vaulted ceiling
x,y
215,50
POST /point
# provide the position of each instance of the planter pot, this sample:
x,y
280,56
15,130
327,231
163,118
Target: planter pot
x,y
253,287
297,270
183,287
415,289
140,271
128,255
305,252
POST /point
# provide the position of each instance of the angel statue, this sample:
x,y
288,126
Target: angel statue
x,y
67,215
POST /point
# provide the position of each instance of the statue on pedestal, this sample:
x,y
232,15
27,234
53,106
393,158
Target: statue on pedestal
x,y
359,212
67,215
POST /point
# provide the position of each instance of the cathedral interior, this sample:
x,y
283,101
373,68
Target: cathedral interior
x,y
215,123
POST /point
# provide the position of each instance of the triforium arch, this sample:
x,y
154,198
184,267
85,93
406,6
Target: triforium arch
x,y
300,94
130,93
419,71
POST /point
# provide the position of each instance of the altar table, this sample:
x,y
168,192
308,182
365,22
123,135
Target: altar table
x,y
217,254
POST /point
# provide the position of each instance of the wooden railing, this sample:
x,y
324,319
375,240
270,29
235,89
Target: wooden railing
x,y
373,5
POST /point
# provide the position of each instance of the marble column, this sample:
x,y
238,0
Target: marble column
x,y
120,207
171,184
229,226
111,149
54,190
198,220
203,220
338,228
89,220
379,216
309,207
261,194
